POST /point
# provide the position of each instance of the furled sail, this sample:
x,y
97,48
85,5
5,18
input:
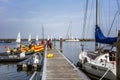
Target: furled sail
x,y
100,38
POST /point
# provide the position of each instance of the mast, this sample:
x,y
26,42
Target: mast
x,y
84,24
68,35
42,32
96,44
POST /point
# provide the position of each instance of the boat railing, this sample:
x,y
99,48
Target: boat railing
x,y
44,65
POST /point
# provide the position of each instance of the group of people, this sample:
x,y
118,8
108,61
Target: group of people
x,y
32,47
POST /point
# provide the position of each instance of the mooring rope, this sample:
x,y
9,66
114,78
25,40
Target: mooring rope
x,y
34,74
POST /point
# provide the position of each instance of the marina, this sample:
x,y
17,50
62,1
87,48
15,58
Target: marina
x,y
68,58
57,54
60,40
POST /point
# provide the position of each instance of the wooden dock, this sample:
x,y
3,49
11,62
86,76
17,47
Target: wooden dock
x,y
60,68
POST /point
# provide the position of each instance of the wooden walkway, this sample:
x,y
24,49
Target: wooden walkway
x,y
59,68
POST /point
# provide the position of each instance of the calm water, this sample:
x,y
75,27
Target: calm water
x,y
9,71
72,49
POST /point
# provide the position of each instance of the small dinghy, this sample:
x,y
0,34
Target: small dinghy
x,y
14,58
34,62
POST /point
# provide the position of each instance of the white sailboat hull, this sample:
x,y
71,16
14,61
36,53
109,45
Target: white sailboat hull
x,y
98,71
96,67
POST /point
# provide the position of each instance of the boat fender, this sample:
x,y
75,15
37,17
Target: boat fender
x,y
22,55
79,64
34,66
24,65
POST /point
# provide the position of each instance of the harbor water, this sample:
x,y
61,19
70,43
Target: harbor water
x,y
8,71
72,49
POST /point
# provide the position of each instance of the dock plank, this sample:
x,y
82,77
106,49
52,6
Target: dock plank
x,y
58,68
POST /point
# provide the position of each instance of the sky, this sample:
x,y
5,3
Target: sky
x,y
28,17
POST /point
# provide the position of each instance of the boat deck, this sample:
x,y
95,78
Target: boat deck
x,y
60,68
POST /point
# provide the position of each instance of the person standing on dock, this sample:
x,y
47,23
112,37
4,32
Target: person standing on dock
x,y
49,44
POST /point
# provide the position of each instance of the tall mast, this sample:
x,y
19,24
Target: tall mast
x,y
96,44
68,35
42,32
84,24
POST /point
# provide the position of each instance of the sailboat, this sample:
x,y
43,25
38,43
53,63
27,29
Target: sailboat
x,y
29,38
37,38
69,36
48,38
18,40
72,39
101,63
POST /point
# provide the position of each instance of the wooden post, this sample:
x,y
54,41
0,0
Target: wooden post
x,y
60,44
118,58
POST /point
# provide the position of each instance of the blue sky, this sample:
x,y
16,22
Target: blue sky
x,y
28,16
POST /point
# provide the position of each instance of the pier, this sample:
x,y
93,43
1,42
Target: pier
x,y
59,67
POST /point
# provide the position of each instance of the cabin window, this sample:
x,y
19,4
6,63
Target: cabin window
x,y
101,60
